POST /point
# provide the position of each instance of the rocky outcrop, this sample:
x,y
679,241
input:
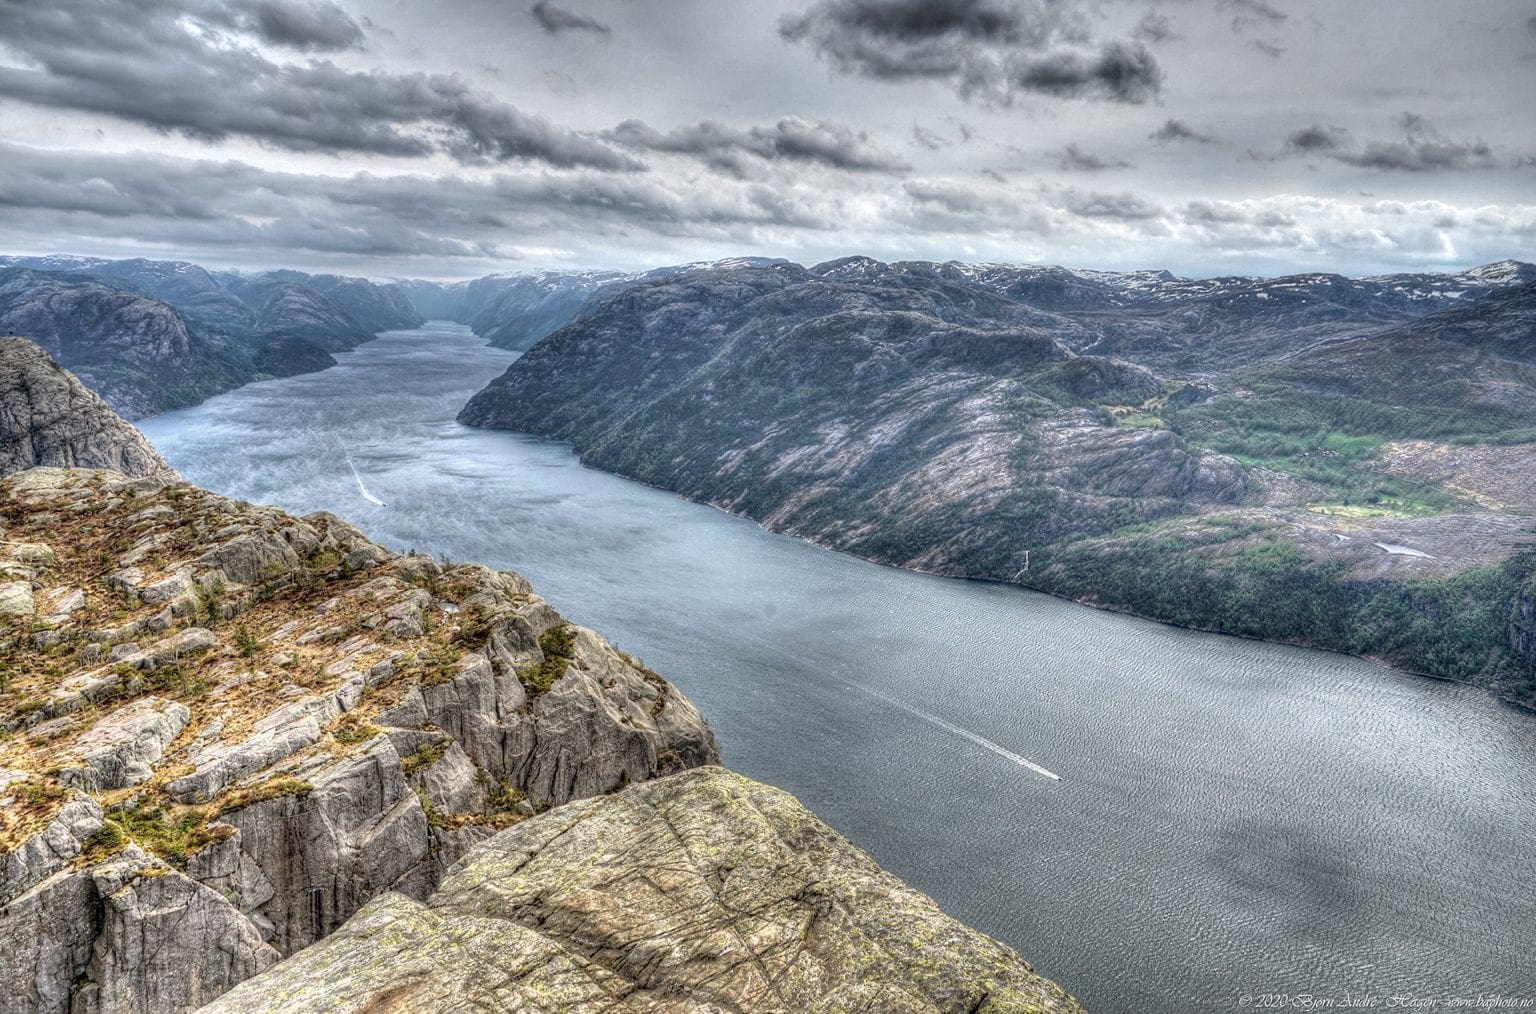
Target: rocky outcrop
x,y
245,726
47,417
700,891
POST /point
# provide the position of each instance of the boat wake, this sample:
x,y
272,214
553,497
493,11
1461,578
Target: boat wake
x,y
361,489
980,741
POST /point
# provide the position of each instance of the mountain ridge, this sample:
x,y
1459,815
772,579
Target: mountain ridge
x,y
908,415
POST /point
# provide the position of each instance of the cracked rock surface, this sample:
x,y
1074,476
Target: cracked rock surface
x,y
703,891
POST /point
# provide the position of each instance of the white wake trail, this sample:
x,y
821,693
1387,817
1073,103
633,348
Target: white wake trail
x,y
360,487
980,741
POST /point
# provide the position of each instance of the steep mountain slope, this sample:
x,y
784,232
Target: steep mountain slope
x,y
914,416
154,335
47,417
137,352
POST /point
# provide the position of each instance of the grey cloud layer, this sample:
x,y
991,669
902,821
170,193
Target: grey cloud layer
x,y
302,25
988,50
1422,148
168,66
459,225
741,152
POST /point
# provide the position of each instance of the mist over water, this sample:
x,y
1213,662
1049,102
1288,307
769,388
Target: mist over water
x,y
1231,817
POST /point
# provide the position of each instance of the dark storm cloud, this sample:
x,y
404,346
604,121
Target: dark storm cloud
x,y
738,151
1073,158
555,20
1422,148
299,25
167,65
988,50
1178,130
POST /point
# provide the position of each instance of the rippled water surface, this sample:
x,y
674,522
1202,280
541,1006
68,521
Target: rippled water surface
x,y
1230,817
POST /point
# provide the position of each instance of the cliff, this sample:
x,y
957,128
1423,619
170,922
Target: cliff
x,y
47,417
228,729
230,736
700,891
1337,482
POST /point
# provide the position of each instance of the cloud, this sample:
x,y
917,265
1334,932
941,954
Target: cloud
x,y
317,25
1072,158
1254,12
1154,28
230,212
736,151
555,20
1124,206
1316,138
169,66
198,205
1422,148
1178,130
930,139
1269,49
990,51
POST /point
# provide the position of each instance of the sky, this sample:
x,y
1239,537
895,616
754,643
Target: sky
x,y
395,138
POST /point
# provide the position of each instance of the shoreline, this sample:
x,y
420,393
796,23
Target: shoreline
x,y
1101,607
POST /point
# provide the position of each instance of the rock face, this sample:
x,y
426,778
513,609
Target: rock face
x,y
701,891
229,729
1210,453
47,417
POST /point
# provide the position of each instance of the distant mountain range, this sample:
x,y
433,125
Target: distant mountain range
x,y
155,335
1349,463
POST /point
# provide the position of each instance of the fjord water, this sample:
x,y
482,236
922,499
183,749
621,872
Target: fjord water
x,y
1231,818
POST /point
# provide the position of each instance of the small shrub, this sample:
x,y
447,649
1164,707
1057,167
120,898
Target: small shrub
x,y
246,642
423,758
103,843
272,788
559,647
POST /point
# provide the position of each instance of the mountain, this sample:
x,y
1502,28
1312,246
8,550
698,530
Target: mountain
x,y
155,335
137,352
1336,464
234,736
434,300
515,311
47,417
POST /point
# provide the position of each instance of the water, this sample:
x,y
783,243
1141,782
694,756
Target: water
x,y
1230,817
